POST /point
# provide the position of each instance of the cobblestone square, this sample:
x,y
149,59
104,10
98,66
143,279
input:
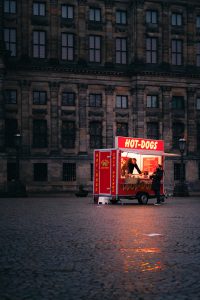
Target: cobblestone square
x,y
67,248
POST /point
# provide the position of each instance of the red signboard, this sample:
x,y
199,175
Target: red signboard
x,y
139,143
96,172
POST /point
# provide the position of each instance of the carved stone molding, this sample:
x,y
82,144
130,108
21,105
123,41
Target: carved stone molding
x,y
166,88
109,90
25,83
191,91
82,86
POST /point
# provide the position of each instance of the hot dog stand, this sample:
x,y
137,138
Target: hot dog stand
x,y
109,179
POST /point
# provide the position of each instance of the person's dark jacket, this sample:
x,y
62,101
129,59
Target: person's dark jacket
x,y
156,178
131,167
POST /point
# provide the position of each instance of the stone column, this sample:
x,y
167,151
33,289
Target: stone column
x,y
83,118
140,55
109,91
109,34
54,118
25,113
189,50
191,121
165,33
82,42
54,16
167,124
140,111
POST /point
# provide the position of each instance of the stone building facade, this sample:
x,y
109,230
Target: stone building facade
x,y
76,73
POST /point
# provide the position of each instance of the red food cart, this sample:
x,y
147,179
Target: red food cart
x,y
111,182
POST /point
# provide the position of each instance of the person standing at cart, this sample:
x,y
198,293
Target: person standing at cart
x,y
131,165
156,183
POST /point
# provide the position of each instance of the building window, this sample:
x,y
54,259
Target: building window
x,y
177,19
39,133
177,171
198,137
153,130
69,172
177,52
177,133
121,101
68,98
67,11
122,129
199,171
67,46
95,100
39,97
152,101
151,50
151,17
10,130
95,14
39,9
68,134
94,48
40,172
10,96
121,51
91,171
198,103
10,6
198,54
198,22
39,44
10,41
178,102
12,172
95,128
121,17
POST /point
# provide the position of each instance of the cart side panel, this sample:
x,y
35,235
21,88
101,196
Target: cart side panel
x,y
114,172
104,172
96,172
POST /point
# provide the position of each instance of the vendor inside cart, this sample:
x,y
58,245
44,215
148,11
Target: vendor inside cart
x,y
129,166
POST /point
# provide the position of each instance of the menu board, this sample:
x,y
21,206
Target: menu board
x,y
150,164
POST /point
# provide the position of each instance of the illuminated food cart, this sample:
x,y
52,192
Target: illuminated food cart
x,y
110,179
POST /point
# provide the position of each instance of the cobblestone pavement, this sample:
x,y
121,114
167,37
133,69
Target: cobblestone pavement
x,y
67,248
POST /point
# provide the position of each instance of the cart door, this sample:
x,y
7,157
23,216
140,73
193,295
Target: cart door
x,y
104,172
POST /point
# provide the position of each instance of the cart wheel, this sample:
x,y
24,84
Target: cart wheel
x,y
143,198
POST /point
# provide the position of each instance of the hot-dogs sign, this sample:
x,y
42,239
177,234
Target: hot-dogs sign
x,y
139,143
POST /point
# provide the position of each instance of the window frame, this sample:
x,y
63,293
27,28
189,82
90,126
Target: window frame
x,y
40,133
10,40
11,7
67,46
121,101
153,130
177,52
68,14
39,44
42,174
96,134
176,19
121,52
8,96
123,131
39,9
69,172
152,101
121,17
70,99
95,48
95,14
68,134
39,97
151,50
178,103
95,100
151,17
